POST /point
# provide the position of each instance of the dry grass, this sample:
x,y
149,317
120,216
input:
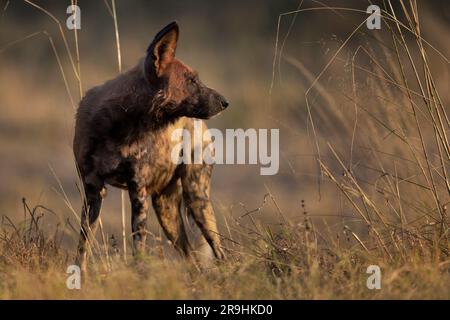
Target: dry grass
x,y
378,141
266,261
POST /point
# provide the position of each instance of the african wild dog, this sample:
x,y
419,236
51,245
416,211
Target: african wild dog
x,y
123,138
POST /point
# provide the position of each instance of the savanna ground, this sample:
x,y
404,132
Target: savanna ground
x,y
364,151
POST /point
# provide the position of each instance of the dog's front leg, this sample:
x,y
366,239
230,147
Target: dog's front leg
x,y
196,180
139,209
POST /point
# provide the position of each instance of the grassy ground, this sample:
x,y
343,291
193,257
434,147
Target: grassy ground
x,y
288,261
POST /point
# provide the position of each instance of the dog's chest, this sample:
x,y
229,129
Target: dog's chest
x,y
146,161
150,161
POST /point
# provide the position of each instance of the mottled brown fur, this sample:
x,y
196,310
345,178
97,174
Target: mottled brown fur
x,y
123,138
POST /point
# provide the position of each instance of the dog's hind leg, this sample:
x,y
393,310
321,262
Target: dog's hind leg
x,y
89,221
139,210
167,205
196,192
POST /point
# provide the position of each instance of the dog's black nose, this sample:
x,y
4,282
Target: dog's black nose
x,y
225,103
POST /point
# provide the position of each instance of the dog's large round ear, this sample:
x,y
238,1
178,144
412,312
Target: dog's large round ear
x,y
161,51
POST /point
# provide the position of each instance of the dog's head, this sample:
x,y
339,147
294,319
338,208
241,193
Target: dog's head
x,y
184,93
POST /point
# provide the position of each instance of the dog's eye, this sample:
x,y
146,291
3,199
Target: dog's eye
x,y
192,80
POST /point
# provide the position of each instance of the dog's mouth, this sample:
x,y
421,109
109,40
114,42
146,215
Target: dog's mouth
x,y
220,110
216,115
211,115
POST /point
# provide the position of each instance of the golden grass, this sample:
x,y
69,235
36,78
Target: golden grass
x,y
287,261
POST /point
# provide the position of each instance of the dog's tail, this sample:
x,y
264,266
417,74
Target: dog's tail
x,y
203,251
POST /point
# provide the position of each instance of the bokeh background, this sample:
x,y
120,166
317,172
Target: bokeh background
x,y
232,45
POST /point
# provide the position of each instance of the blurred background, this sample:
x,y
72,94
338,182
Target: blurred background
x,y
232,45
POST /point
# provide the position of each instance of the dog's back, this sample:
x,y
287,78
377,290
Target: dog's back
x,y
102,110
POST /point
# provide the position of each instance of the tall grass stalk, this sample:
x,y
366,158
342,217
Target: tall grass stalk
x,y
119,64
